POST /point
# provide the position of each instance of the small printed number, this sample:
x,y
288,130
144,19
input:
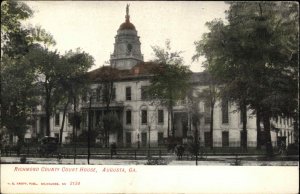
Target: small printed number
x,y
75,183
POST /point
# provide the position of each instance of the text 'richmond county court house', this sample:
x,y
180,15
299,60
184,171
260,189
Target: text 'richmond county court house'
x,y
145,122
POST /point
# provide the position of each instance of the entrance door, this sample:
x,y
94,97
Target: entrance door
x,y
128,139
144,139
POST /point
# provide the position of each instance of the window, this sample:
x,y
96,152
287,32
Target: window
x,y
144,116
207,117
161,116
129,49
128,93
160,138
225,111
128,117
57,119
144,93
225,139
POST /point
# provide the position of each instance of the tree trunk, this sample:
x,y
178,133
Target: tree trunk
x,y
48,115
212,104
258,136
268,141
168,123
244,118
74,129
172,121
63,122
47,107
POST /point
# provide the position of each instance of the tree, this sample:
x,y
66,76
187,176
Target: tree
x,y
48,65
210,95
170,81
106,76
255,55
112,123
14,40
72,82
18,87
18,95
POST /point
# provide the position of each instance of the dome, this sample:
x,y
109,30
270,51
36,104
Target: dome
x,y
127,26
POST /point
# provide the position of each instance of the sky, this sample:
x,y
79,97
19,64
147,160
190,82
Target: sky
x,y
92,25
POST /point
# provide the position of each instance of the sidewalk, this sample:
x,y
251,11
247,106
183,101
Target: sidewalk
x,y
170,160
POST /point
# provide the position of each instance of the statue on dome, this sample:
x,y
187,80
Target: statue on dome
x,y
127,13
127,9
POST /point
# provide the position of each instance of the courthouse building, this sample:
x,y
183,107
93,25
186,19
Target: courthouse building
x,y
145,122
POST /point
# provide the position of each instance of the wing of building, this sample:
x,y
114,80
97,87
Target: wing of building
x,y
144,122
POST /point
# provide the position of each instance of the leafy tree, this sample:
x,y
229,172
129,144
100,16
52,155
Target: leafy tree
x,y
106,76
17,94
255,55
72,82
13,36
170,81
48,65
210,95
112,123
18,86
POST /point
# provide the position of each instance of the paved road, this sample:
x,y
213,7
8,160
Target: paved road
x,y
170,160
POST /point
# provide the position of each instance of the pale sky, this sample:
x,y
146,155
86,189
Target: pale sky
x,y
92,25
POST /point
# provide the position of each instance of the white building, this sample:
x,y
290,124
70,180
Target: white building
x,y
144,121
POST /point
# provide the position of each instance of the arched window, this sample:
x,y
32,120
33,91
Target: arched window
x,y
129,49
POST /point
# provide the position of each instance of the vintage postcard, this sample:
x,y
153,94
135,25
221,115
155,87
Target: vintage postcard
x,y
149,97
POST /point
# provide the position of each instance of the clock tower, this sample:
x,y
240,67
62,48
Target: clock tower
x,y
127,47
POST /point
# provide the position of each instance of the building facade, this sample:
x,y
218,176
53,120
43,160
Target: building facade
x,y
147,123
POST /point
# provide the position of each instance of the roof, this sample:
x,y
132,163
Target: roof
x,y
127,26
141,70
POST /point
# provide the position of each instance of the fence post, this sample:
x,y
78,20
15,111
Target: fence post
x,y
135,154
159,153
